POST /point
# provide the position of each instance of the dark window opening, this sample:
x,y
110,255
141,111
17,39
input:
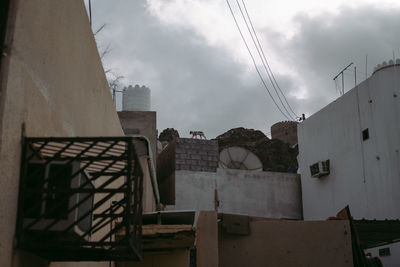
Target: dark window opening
x,y
365,134
384,252
57,202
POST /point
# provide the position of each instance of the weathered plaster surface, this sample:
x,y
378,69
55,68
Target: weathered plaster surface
x,y
55,86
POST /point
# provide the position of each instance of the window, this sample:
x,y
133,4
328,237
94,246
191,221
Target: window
x,y
57,202
40,177
365,134
384,252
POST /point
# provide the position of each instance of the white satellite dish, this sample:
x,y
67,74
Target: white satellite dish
x,y
239,158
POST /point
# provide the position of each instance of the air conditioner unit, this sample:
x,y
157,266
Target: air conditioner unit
x,y
54,206
320,168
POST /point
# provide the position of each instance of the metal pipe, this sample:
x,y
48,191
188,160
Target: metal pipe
x,y
341,73
90,12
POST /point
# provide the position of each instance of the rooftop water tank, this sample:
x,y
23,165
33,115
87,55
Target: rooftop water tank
x,y
136,98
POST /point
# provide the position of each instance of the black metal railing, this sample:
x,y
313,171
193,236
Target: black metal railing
x,y
80,199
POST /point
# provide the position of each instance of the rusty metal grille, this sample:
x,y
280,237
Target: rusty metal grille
x,y
80,199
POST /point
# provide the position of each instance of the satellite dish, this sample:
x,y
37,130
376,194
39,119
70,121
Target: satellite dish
x,y
239,158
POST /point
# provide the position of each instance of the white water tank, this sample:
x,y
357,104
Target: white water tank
x,y
136,98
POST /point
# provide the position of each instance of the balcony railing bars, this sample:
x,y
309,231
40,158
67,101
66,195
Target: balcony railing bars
x,y
76,194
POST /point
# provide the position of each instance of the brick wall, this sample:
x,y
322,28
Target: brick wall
x,y
184,154
196,155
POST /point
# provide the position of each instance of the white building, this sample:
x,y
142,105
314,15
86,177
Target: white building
x,y
359,134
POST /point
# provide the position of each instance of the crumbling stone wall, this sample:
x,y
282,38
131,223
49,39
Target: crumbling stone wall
x,y
168,135
274,154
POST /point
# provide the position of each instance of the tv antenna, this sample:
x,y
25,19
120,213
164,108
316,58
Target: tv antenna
x,y
341,73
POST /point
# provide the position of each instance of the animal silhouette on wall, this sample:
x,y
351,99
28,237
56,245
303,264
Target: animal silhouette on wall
x,y
199,134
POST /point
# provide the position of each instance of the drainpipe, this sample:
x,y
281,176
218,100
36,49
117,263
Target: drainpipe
x,y
153,175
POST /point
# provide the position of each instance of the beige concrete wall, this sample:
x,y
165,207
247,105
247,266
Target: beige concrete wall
x,y
288,243
172,258
52,81
207,239
143,123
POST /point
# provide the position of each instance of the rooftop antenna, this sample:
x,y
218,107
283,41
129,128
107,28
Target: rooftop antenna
x,y
342,76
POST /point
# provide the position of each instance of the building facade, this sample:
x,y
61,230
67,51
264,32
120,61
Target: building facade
x,y
359,133
189,179
52,85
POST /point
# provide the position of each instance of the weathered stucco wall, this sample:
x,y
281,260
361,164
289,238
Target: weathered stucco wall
x,y
288,243
364,173
264,194
194,190
143,123
54,83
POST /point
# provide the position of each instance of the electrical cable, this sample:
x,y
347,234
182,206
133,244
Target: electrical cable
x,y
254,62
266,61
262,60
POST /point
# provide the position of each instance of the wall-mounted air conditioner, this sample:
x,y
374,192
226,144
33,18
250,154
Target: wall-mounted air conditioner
x,y
320,168
46,204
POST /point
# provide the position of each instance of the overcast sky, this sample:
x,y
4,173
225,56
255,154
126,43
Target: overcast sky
x,y
191,56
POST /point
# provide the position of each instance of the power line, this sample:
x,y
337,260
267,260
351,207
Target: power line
x,y
254,62
264,59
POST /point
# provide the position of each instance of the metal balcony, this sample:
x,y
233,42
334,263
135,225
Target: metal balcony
x,y
76,194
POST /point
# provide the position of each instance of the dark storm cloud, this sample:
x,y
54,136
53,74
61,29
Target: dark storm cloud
x,y
196,86
327,43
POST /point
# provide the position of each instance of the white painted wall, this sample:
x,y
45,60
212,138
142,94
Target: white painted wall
x,y
194,190
263,194
392,260
364,174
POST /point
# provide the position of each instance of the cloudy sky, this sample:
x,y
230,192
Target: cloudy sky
x,y
191,55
